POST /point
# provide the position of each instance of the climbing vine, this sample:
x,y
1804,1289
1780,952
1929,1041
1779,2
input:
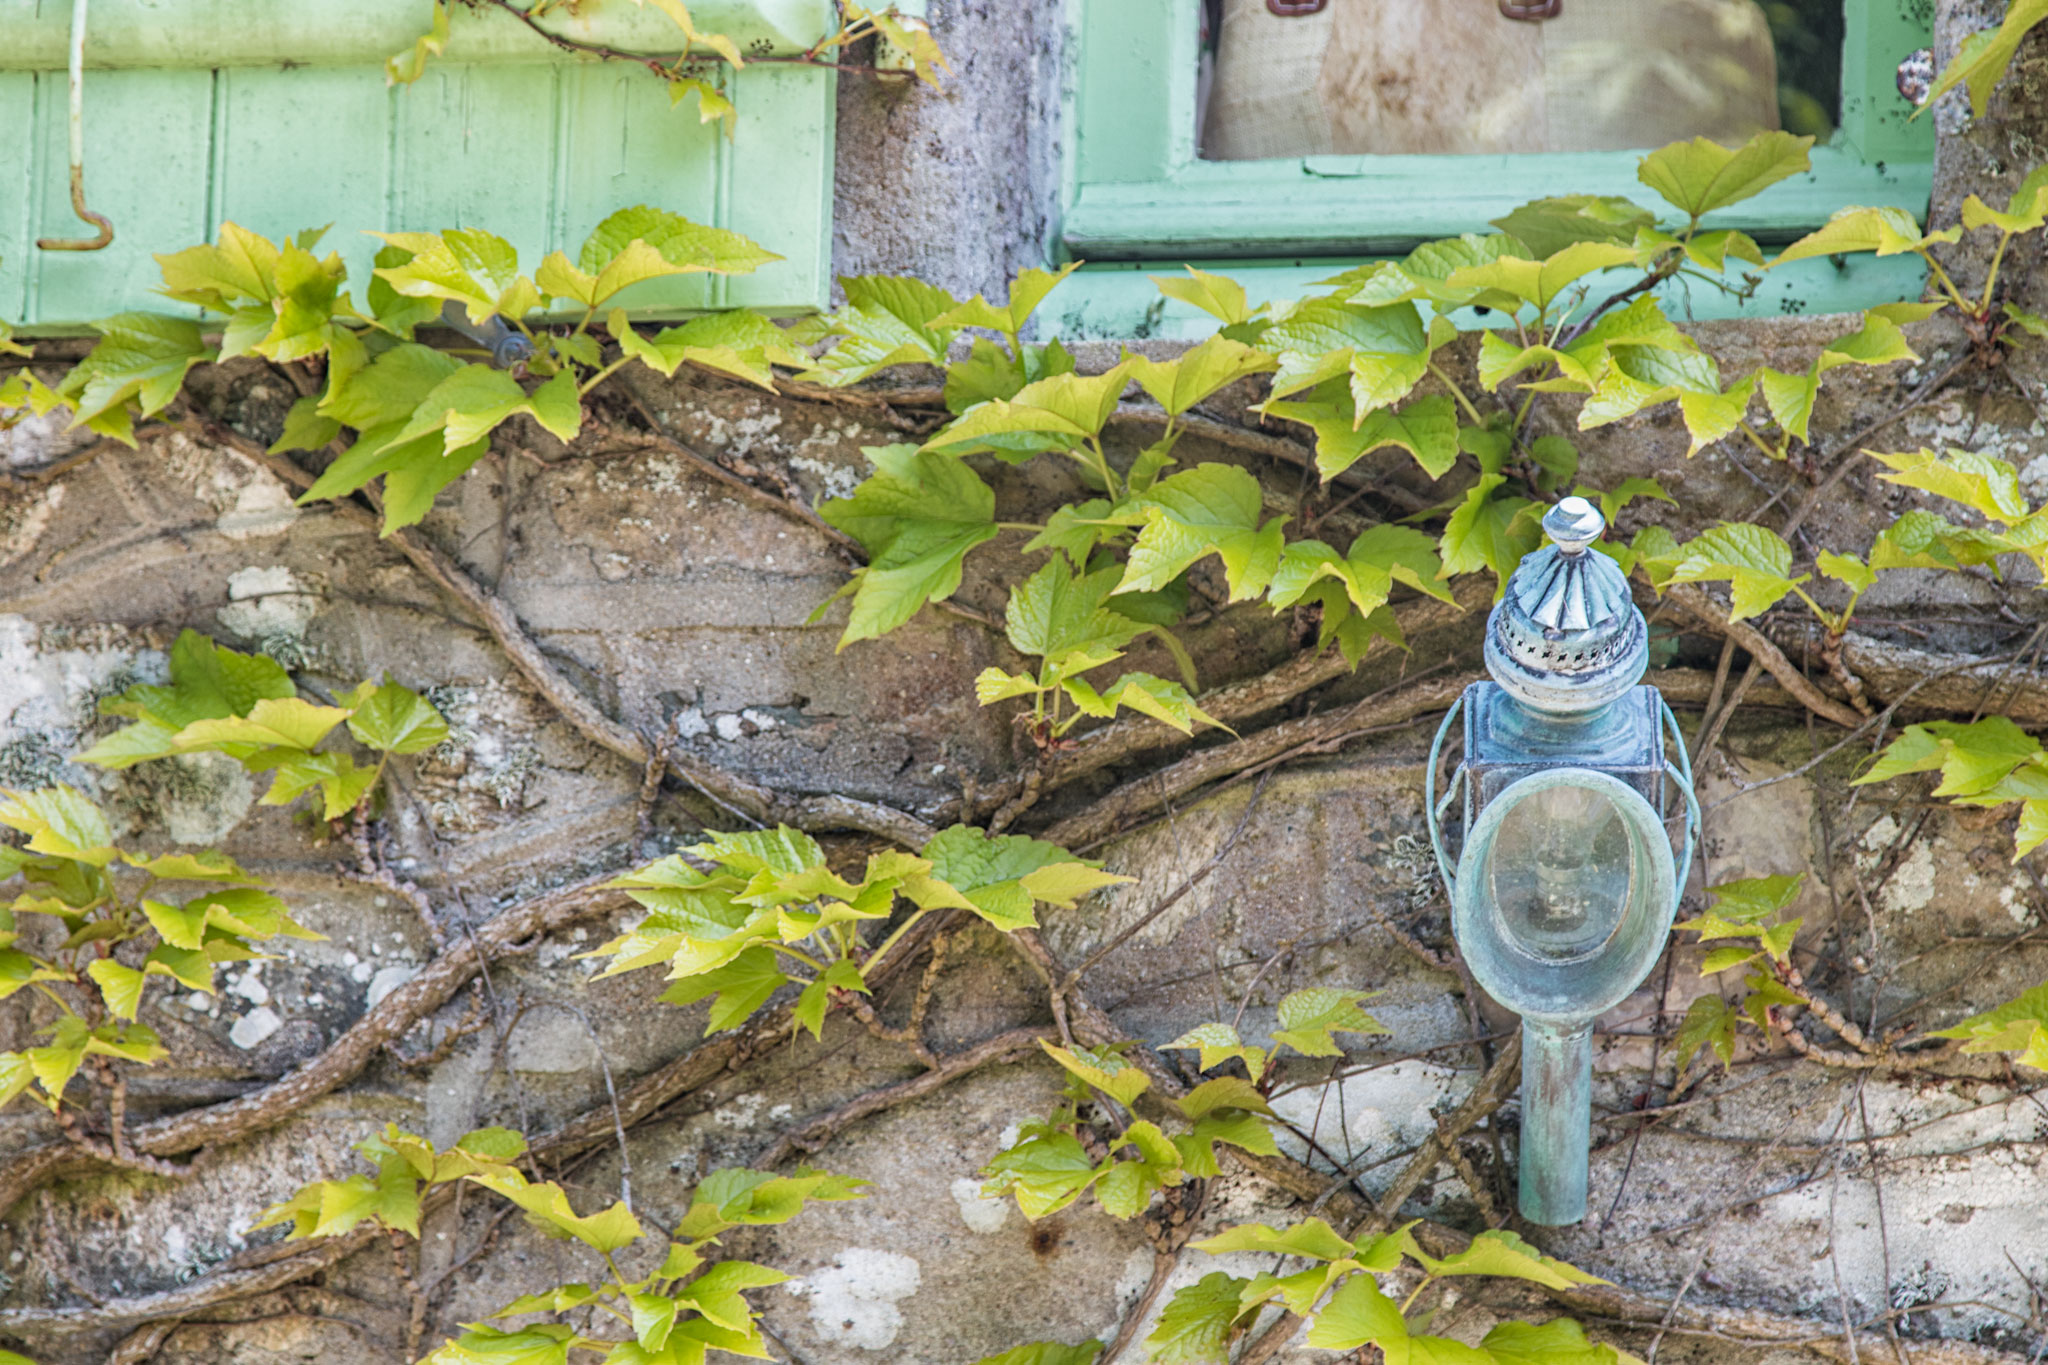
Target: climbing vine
x,y
398,406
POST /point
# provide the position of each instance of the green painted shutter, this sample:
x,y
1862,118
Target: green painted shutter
x,y
275,114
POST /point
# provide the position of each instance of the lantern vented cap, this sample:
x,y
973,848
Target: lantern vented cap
x,y
1566,636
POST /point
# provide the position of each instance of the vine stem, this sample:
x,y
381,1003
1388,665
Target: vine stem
x,y
757,802
1457,392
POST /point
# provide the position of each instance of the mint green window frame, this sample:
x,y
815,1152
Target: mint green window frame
x,y
1135,192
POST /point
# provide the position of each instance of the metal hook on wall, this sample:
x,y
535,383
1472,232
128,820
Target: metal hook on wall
x,y
98,220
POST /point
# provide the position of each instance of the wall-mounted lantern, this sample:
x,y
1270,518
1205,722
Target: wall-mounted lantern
x,y
1565,889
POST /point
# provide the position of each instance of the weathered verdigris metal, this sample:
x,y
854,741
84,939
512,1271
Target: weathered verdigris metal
x,y
1565,888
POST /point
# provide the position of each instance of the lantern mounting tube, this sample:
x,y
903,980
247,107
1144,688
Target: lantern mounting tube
x,y
1565,887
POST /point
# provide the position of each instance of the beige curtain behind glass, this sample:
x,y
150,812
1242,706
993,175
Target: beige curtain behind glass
x,y
1454,76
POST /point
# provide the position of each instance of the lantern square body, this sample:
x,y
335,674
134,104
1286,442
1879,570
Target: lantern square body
x,y
1505,741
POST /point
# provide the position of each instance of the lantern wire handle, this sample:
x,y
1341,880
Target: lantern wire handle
x,y
1431,807
1681,774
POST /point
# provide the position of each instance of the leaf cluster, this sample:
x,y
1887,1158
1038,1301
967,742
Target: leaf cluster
x,y
121,917
246,706
743,915
1341,1291
1125,1160
688,1303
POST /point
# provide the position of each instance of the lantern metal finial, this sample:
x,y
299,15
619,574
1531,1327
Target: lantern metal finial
x,y
1567,637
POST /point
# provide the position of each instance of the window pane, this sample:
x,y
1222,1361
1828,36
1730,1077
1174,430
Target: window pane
x,y
1452,76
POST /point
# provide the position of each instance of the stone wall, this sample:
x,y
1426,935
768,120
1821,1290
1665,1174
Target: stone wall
x,y
666,597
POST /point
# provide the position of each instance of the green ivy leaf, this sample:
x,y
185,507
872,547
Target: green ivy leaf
x,y
341,782
61,821
888,320
1791,396
841,974
392,718
1027,291
1054,413
1887,231
1222,1093
1308,1018
1425,273
2019,1026
1127,1186
473,401
738,342
1709,1022
642,243
917,516
1547,226
1560,1341
547,1344
273,722
1972,757
989,372
1982,483
741,986
17,971
1000,876
1198,373
408,66
1044,1170
1700,176
547,1208
1385,351
1219,1043
469,266
1488,532
16,1075
305,428
1198,1322
1508,282
737,1197
1846,569
1210,509
1219,296
1359,1313
1503,1253
120,987
1037,1353
140,358
1426,428
1063,617
1166,702
1753,560
1379,557
1105,1071
1983,58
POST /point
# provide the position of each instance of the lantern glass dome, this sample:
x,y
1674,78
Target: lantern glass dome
x,y
1561,868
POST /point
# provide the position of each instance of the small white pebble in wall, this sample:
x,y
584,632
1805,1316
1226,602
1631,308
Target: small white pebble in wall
x,y
387,980
361,972
853,1300
250,988
198,1001
253,1027
981,1213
